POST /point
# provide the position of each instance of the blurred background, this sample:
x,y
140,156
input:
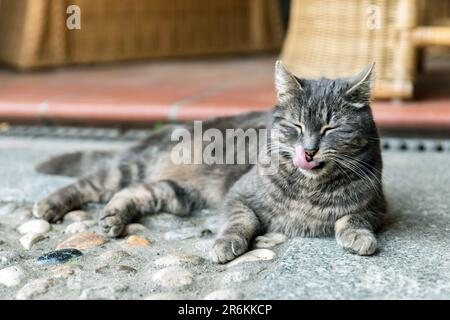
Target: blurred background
x,y
140,63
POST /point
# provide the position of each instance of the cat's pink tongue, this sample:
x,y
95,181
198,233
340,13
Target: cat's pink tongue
x,y
300,159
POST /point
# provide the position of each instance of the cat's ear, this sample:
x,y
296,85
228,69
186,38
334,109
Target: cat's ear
x,y
286,84
359,87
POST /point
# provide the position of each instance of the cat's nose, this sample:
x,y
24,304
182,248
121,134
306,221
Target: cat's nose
x,y
309,153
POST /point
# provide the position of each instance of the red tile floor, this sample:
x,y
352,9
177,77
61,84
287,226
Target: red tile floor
x,y
139,93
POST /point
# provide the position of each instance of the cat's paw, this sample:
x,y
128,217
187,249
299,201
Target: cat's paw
x,y
359,241
47,211
228,248
112,223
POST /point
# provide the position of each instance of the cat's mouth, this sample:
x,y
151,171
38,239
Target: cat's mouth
x,y
319,166
302,161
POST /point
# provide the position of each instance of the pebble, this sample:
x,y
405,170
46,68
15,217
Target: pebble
x,y
114,255
76,227
103,293
254,255
64,271
11,276
35,288
176,260
173,277
269,240
236,276
165,221
163,296
34,226
76,216
224,294
137,242
84,240
111,268
134,228
186,233
28,240
58,256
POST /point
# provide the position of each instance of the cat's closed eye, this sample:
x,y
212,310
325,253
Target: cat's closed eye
x,y
290,125
326,129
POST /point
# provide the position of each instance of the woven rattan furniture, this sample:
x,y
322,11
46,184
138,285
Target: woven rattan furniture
x,y
33,33
334,38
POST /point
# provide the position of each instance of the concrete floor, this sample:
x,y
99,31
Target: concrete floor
x,y
413,262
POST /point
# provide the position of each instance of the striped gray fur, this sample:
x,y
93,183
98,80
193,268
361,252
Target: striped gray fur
x,y
341,196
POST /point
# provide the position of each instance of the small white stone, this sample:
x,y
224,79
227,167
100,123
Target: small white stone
x,y
224,294
99,293
114,255
11,276
28,240
76,227
64,271
236,276
269,240
34,226
76,216
173,277
163,296
176,260
134,228
186,233
103,293
254,255
34,289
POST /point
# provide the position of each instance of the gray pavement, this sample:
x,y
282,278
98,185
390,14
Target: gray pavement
x,y
413,261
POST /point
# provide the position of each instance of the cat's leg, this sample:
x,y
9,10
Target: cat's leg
x,y
135,201
96,187
242,226
355,233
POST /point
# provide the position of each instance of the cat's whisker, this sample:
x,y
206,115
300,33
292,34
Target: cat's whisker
x,y
355,169
365,171
341,169
376,186
360,161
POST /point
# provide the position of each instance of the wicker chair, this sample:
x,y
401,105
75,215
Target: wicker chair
x,y
33,33
334,38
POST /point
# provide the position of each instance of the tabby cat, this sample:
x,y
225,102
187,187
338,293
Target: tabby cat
x,y
328,179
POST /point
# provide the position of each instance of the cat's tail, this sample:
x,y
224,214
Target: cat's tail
x,y
75,164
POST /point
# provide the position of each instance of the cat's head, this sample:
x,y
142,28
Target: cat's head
x,y
321,122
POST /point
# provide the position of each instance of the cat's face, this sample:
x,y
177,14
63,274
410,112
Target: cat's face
x,y
322,123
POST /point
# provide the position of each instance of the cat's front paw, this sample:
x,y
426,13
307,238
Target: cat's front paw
x,y
47,211
228,248
359,241
112,223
